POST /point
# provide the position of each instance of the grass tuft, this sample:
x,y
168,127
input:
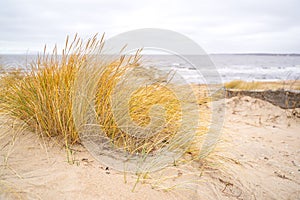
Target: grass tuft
x,y
44,98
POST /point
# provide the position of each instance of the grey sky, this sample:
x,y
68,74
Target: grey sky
x,y
223,26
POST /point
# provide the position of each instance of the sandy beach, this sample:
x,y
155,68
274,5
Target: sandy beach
x,y
153,100
257,158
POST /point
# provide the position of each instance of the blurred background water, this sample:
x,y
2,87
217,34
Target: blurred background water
x,y
247,67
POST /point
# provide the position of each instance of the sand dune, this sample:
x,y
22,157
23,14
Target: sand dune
x,y
258,158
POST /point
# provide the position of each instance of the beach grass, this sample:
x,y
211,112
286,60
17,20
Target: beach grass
x,y
44,97
266,85
139,110
243,85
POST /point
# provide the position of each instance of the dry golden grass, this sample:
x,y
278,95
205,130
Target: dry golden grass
x,y
272,85
243,85
44,98
139,107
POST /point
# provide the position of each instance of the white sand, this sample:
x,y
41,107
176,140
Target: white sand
x,y
258,159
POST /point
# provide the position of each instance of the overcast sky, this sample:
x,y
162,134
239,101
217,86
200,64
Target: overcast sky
x,y
224,26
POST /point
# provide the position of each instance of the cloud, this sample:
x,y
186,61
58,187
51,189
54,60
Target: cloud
x,y
219,26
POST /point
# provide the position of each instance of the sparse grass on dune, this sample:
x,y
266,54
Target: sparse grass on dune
x,y
44,96
243,85
256,85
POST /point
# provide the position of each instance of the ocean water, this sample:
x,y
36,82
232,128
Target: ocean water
x,y
221,67
235,67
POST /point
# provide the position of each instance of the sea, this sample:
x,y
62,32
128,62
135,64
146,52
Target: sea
x,y
218,67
